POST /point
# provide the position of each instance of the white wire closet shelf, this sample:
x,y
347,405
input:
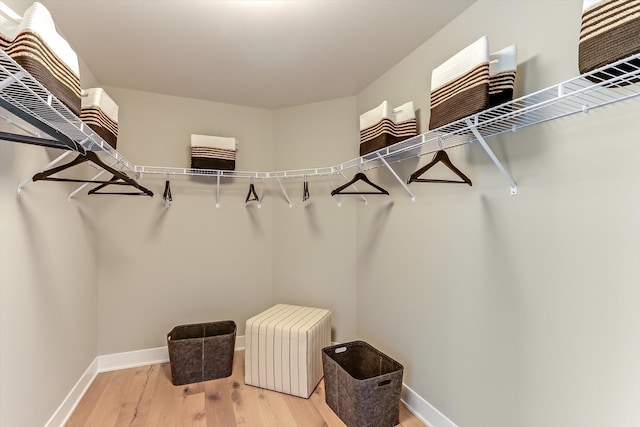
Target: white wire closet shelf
x,y
52,124
21,93
612,83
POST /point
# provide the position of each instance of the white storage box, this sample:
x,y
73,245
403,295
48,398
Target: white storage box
x,y
283,348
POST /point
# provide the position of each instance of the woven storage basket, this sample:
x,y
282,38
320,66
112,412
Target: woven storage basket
x,y
201,352
362,385
610,31
460,85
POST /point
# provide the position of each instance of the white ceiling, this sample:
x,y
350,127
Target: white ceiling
x,y
267,54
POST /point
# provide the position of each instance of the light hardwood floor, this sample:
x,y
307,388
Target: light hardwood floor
x,y
144,396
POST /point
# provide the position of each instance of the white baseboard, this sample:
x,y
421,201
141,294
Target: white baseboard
x,y
66,408
131,359
239,342
149,356
111,362
422,409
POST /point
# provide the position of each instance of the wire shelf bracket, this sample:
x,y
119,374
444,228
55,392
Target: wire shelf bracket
x,y
395,175
286,196
494,159
98,175
218,192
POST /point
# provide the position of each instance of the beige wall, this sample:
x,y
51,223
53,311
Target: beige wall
x,y
192,262
314,248
512,310
48,292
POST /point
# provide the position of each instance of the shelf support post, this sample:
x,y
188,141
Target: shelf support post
x,y
333,184
84,185
384,161
261,193
218,191
485,146
284,192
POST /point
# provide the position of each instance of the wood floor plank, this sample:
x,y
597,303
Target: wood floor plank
x,y
136,383
144,406
407,419
89,401
165,406
218,403
107,411
193,410
274,408
317,398
301,409
145,397
244,397
136,407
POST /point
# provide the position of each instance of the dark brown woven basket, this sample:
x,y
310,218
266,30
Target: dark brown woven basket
x,y
362,385
201,352
618,40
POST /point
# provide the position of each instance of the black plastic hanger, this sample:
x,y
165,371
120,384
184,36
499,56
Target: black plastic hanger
x,y
118,178
442,157
116,181
167,192
305,191
359,177
252,196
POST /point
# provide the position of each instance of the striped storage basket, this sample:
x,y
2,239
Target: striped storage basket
x,y
502,75
382,126
101,114
460,86
405,123
610,31
213,152
33,42
376,129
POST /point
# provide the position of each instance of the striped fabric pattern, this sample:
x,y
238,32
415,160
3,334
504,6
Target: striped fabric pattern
x,y
382,126
385,125
213,152
460,86
406,124
218,153
33,42
376,121
100,112
610,31
502,75
283,348
376,129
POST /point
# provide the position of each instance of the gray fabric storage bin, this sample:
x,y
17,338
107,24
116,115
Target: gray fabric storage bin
x,y
362,385
201,352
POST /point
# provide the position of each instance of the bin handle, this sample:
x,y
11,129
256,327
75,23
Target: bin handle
x,y
340,350
383,383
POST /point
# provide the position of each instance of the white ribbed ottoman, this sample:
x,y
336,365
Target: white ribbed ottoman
x,y
283,348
